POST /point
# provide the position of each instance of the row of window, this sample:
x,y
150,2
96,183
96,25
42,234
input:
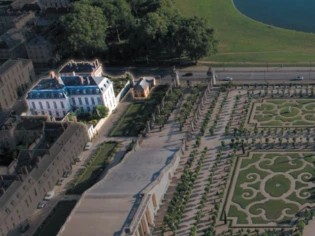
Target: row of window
x,y
48,105
87,102
74,152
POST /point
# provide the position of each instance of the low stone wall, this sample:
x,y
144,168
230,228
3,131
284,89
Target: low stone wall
x,y
123,92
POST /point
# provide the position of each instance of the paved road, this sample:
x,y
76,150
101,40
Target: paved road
x,y
238,74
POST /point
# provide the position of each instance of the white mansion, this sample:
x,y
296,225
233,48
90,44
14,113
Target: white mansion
x,y
57,96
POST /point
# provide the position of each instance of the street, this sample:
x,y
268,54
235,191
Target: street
x,y
263,74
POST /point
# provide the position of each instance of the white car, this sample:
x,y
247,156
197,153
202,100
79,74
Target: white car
x,y
50,195
227,79
299,77
88,146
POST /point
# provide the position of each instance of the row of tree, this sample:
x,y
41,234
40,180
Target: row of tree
x,y
130,30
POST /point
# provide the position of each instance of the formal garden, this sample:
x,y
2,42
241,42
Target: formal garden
x,y
283,113
243,177
271,189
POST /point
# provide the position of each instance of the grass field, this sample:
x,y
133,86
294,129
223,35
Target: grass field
x,y
243,40
92,171
53,223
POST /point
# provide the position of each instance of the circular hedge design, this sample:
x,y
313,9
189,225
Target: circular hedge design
x,y
277,185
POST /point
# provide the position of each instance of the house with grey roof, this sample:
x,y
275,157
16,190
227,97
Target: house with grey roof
x,y
143,87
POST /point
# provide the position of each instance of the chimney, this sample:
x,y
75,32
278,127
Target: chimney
x,y
2,190
52,74
24,170
80,80
73,73
88,81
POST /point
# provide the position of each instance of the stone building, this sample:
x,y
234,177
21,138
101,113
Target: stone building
x,y
126,201
15,20
57,96
37,169
15,78
39,50
143,87
12,44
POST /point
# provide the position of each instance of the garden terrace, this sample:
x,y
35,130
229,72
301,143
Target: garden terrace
x,y
137,114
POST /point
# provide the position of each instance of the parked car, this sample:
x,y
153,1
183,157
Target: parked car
x,y
66,174
24,227
42,204
299,77
79,158
50,195
227,79
188,74
60,181
88,146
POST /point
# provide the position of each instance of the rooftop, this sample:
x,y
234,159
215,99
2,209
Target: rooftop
x,y
59,88
80,67
39,40
11,38
143,83
111,204
25,122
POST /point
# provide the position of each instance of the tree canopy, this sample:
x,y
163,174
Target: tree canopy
x,y
129,30
84,29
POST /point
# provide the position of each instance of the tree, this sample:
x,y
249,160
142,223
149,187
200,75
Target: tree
x,y
118,15
196,38
101,111
301,226
84,30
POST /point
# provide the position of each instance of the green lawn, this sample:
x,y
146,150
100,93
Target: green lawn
x,y
134,119
243,40
98,163
53,223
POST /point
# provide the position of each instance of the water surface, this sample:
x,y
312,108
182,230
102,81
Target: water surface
x,y
289,14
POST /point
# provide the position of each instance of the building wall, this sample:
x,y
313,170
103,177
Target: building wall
x,y
32,191
156,192
22,20
53,107
39,53
16,78
14,52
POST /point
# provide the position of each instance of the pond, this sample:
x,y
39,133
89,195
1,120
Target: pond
x,y
289,14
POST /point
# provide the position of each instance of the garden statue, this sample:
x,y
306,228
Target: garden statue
x,y
289,109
